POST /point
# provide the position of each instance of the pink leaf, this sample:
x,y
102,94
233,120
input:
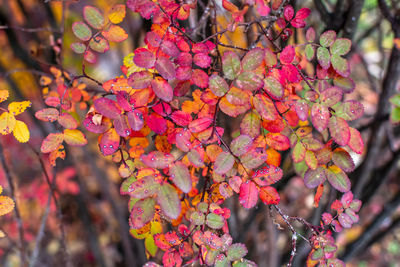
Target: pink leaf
x,y
144,58
248,195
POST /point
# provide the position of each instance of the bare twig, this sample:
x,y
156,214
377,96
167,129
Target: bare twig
x,y
17,214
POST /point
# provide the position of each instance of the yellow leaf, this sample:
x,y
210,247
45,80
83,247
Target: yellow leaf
x,y
141,233
18,107
74,137
117,14
3,95
1,189
21,132
6,205
7,123
151,248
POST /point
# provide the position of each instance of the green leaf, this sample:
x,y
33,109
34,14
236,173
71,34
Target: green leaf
x,y
180,176
350,110
317,254
395,115
324,58
310,52
395,100
340,65
93,17
299,152
222,261
344,83
230,65
82,31
270,58
244,263
215,221
78,48
125,186
236,252
250,124
253,59
197,218
99,44
223,163
143,188
313,178
273,87
248,80
327,38
143,211
218,85
169,202
343,160
241,144
341,47
338,178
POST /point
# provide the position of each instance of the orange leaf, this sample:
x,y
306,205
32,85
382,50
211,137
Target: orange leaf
x,y
115,34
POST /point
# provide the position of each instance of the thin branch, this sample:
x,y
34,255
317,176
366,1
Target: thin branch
x,y
386,11
17,214
52,188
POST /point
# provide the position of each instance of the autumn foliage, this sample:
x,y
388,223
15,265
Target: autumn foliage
x,y
194,121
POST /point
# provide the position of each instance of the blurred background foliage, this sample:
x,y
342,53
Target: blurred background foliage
x,y
35,39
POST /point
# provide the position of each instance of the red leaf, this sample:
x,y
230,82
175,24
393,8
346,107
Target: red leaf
x,y
121,126
140,80
107,107
109,142
288,12
303,13
267,175
96,128
318,195
200,78
200,124
277,141
169,48
181,118
202,60
339,130
287,55
52,142
67,121
165,67
47,114
248,195
265,107
144,58
157,159
162,89
320,117
269,195
356,142
156,123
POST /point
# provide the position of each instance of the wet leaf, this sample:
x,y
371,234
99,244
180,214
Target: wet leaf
x,y
143,211
169,202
